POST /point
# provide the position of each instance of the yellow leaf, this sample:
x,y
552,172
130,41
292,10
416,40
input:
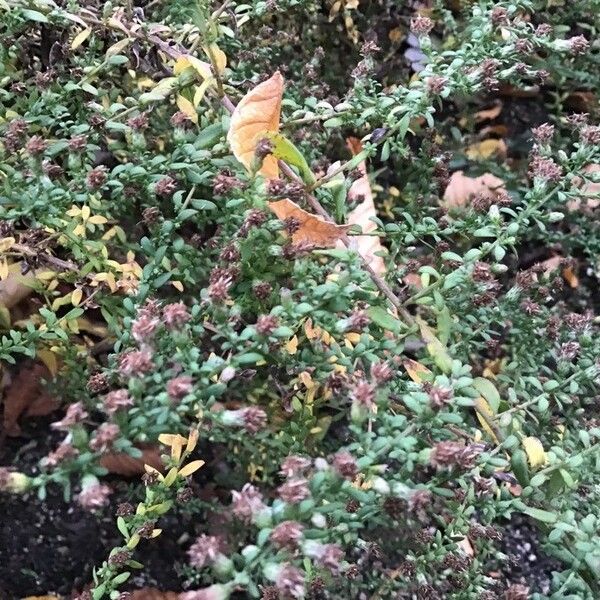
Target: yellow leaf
x,y
416,371
49,359
118,47
177,285
312,229
535,451
201,90
80,38
6,243
4,270
76,297
485,415
171,439
436,349
190,468
352,337
217,56
257,114
192,440
291,345
486,149
188,61
187,108
97,220
156,533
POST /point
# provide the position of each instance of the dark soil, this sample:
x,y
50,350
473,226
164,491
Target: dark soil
x,y
51,546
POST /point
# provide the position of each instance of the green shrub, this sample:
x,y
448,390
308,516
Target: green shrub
x,y
371,430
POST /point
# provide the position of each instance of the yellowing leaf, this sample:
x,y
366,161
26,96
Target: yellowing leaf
x,y
368,246
436,349
6,243
192,440
187,60
416,371
186,107
312,229
76,296
535,451
118,47
190,468
486,149
80,38
291,346
217,56
461,188
257,114
485,415
201,90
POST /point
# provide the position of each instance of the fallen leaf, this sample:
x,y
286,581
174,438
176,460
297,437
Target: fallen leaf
x,y
26,396
312,229
120,463
568,273
256,114
489,113
462,188
535,451
466,547
153,594
368,246
15,287
582,102
587,189
486,149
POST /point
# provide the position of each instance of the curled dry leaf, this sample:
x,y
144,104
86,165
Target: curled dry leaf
x,y
257,114
120,463
312,229
462,188
489,113
366,245
26,396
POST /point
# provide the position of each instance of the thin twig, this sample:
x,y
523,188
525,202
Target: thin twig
x,y
47,258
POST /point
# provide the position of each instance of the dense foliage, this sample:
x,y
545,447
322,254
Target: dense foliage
x,y
365,433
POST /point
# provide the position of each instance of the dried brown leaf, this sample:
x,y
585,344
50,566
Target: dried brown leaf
x,y
366,245
257,114
313,230
487,114
587,189
26,396
462,188
125,465
153,594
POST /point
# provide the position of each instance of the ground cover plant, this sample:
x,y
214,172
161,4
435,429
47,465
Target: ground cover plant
x,y
299,299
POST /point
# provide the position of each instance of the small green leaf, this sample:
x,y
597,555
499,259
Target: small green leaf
x,y
488,390
285,150
384,319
